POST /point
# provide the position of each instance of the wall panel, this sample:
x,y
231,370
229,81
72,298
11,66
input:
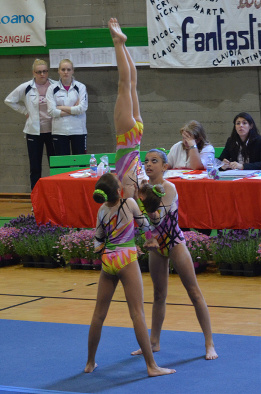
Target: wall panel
x,y
168,97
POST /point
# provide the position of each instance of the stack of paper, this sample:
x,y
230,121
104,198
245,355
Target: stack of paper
x,y
237,173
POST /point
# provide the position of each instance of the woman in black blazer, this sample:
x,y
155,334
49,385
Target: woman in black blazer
x,y
243,148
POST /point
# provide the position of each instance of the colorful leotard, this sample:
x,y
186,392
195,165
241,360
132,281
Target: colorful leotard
x,y
115,234
167,231
127,158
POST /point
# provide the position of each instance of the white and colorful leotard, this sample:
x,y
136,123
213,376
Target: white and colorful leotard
x,y
115,234
166,230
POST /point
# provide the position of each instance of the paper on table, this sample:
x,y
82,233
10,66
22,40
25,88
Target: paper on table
x,y
257,176
175,173
236,173
81,174
194,176
185,174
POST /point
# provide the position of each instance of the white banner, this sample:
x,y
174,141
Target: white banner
x,y
204,33
97,57
22,23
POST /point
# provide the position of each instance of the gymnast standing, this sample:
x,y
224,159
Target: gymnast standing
x,y
172,246
116,242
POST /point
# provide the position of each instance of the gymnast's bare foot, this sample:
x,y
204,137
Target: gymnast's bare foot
x,y
157,371
211,353
116,33
90,367
154,348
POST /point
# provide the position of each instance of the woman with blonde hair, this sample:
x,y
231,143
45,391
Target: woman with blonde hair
x,y
194,149
67,102
29,99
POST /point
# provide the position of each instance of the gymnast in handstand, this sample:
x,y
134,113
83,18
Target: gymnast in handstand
x,y
127,119
115,226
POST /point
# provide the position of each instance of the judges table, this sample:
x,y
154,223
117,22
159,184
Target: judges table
x,y
203,203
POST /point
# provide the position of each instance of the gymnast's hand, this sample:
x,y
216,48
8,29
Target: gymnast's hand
x,y
151,244
139,251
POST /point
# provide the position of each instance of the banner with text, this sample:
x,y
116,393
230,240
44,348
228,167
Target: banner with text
x,y
22,23
204,33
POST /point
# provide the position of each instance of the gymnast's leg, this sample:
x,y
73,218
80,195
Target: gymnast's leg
x,y
123,111
106,289
131,279
159,271
183,265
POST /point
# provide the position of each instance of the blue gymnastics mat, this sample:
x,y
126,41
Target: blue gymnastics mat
x,y
50,358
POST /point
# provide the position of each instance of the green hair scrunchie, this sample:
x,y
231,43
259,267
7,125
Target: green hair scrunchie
x,y
102,193
159,194
162,149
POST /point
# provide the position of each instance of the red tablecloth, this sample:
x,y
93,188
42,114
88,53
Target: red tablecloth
x,y
67,201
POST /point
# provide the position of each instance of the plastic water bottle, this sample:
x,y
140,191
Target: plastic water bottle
x,y
100,169
93,166
210,165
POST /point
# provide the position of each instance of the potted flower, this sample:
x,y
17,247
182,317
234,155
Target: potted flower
x,y
47,242
36,243
89,259
199,246
77,249
7,251
68,248
236,251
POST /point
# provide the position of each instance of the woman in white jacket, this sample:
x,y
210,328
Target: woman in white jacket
x,y
67,103
29,99
194,149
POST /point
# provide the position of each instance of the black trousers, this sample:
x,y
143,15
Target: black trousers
x,y
65,145
35,146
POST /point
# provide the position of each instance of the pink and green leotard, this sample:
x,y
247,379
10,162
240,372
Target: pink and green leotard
x,y
127,158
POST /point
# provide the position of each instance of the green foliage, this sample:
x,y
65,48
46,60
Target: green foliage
x,y
237,246
199,246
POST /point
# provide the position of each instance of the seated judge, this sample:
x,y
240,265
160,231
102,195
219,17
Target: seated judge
x,y
193,151
243,148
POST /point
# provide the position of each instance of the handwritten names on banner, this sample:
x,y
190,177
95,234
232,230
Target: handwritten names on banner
x,y
204,33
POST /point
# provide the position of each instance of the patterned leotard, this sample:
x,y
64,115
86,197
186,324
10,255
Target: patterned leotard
x,y
167,231
127,158
115,234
